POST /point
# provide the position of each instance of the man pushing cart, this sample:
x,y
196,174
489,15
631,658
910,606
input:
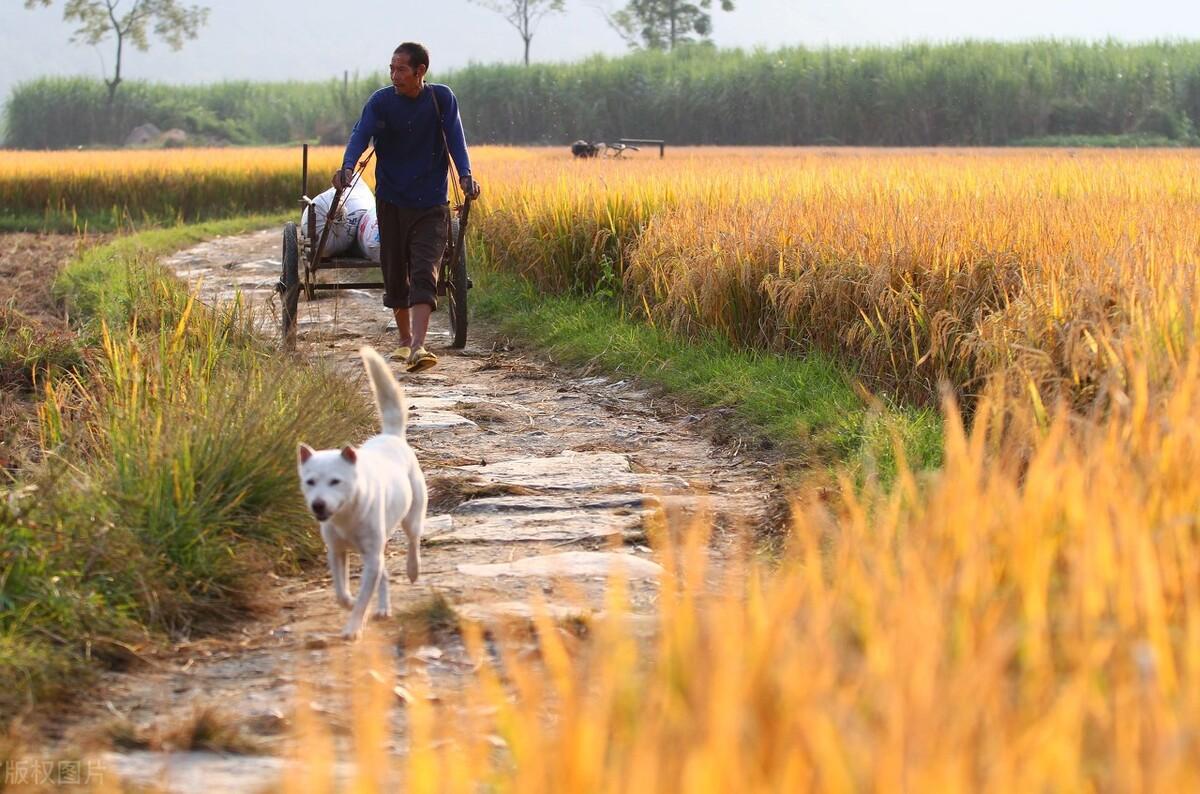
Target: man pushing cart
x,y
416,130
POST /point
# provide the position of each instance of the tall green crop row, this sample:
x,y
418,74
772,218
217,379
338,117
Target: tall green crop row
x,y
60,112
970,93
974,93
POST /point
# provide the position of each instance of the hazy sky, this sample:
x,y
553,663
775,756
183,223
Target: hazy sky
x,y
313,39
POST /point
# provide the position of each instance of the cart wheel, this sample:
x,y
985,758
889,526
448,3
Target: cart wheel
x,y
290,283
456,294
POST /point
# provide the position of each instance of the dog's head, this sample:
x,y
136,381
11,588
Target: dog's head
x,y
327,479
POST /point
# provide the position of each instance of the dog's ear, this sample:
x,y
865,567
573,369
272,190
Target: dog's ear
x,y
349,455
306,452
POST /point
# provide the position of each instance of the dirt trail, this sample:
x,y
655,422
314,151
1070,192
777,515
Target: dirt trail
x,y
561,466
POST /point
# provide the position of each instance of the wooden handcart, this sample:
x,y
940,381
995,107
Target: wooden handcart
x,y
309,250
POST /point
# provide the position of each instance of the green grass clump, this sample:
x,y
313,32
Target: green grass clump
x,y
168,481
806,404
109,283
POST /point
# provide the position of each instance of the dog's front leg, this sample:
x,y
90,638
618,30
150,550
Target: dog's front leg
x,y
372,568
383,604
413,524
383,600
341,579
338,566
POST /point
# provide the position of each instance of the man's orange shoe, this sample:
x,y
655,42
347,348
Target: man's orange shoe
x,y
421,360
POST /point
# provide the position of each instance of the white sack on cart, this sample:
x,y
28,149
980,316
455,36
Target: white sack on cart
x,y
368,235
345,225
359,200
341,234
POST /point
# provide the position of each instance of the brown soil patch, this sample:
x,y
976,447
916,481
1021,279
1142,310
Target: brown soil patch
x,y
29,264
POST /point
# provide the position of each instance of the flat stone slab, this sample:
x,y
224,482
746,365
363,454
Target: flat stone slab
x,y
318,318
533,504
454,399
191,771
430,403
259,264
428,419
565,517
543,525
434,525
517,611
474,391
571,471
571,563
428,377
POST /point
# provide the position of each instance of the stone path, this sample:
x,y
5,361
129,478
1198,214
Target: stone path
x,y
541,482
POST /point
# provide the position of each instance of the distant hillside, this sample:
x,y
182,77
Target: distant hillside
x,y
970,93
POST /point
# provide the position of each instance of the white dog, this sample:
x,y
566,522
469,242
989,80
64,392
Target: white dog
x,y
359,495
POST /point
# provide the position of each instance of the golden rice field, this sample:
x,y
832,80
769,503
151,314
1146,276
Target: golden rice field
x,y
1054,270
163,185
1025,619
918,267
979,631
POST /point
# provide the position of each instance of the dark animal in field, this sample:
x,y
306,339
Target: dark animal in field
x,y
585,149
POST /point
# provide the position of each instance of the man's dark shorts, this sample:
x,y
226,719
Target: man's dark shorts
x,y
411,245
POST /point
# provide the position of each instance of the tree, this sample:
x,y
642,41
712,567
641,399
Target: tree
x,y
524,15
172,22
664,24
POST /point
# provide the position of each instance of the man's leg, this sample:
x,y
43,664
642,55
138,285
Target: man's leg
x,y
427,244
393,245
406,328
420,323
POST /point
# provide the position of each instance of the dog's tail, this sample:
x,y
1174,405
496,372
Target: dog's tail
x,y
388,395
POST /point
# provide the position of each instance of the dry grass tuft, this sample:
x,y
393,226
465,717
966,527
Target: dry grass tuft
x,y
209,729
447,492
429,620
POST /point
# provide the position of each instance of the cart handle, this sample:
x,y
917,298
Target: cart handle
x,y
333,207
332,213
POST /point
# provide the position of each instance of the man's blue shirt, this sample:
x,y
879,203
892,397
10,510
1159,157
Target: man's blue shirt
x,y
410,155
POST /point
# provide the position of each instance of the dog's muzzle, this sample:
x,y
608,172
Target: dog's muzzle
x,y
320,510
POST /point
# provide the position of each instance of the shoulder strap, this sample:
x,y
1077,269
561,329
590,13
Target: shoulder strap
x,y
437,108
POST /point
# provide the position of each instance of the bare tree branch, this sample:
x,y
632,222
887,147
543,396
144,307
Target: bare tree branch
x,y
524,15
98,19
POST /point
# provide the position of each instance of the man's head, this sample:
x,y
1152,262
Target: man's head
x,y
410,61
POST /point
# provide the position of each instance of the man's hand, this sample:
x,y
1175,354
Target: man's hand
x,y
342,178
470,187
